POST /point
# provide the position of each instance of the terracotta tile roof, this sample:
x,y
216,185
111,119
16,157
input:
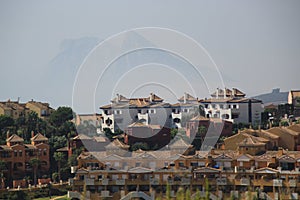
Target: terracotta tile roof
x,y
249,141
14,138
281,131
30,146
187,97
81,137
206,170
117,144
5,147
123,102
140,170
39,137
179,143
266,170
294,127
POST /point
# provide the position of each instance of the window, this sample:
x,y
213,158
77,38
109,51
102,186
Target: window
x,y
213,106
20,153
15,153
137,164
118,112
206,105
234,116
152,111
45,152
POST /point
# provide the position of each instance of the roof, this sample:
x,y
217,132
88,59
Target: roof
x,y
140,170
116,143
295,93
244,157
281,131
81,137
63,149
228,93
39,137
101,139
179,143
266,170
140,124
200,118
207,170
294,127
123,102
187,97
234,141
14,138
250,141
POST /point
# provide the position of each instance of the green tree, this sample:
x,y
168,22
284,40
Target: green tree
x,y
173,132
35,163
180,194
59,157
168,192
61,115
140,145
188,194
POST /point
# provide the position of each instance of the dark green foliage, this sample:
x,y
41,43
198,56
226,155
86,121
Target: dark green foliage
x,y
140,145
60,116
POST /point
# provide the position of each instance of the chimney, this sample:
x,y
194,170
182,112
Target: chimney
x,y
217,93
280,151
259,128
151,97
233,92
184,97
7,134
225,93
212,151
32,134
118,98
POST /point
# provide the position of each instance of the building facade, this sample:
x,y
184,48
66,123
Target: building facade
x,y
234,106
17,157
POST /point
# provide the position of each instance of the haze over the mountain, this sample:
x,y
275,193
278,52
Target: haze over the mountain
x,y
275,97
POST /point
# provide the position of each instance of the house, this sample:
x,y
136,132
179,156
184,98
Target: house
x,y
13,109
210,126
234,106
294,99
42,109
123,111
288,138
153,135
17,156
246,143
187,107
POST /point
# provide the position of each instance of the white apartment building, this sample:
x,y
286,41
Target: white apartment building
x,y
232,105
123,111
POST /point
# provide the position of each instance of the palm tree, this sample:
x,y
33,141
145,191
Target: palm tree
x,y
35,163
59,156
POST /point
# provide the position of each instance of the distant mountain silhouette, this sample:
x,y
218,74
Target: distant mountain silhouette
x,y
63,68
275,97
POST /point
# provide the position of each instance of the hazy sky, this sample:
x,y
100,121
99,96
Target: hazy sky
x,y
255,44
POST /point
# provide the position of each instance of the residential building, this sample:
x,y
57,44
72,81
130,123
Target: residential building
x,y
294,99
153,135
13,109
42,109
187,108
17,156
147,174
123,112
233,105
